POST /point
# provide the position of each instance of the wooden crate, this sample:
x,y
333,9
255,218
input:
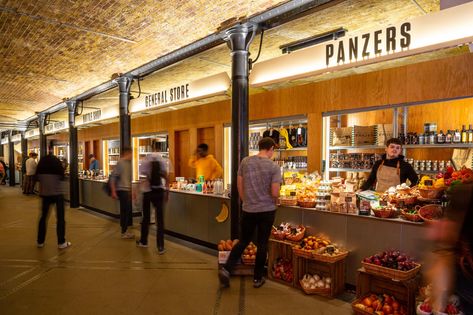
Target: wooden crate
x,y
404,291
334,270
280,249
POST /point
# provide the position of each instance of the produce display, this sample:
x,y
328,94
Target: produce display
x,y
282,269
249,254
286,231
425,308
313,282
380,305
312,243
393,259
226,245
453,178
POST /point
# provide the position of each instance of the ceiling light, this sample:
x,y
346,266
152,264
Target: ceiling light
x,y
313,40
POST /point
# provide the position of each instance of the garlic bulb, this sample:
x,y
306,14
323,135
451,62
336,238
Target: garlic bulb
x,y
320,284
328,280
316,278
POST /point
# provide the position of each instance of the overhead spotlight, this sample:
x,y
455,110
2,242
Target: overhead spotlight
x,y
313,40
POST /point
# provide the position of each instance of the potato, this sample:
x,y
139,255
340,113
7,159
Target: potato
x,y
228,246
220,247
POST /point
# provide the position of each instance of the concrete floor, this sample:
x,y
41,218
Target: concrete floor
x,y
103,274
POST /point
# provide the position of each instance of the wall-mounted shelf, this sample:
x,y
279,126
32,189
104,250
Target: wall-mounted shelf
x,y
331,169
366,147
438,146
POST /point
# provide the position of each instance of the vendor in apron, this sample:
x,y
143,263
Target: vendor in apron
x,y
391,170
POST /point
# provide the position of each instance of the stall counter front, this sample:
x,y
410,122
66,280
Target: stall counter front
x,y
192,216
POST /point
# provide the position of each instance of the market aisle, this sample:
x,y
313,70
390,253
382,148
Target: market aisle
x,y
102,274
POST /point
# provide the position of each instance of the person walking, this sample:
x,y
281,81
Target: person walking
x,y
31,166
259,180
50,176
155,186
121,189
205,164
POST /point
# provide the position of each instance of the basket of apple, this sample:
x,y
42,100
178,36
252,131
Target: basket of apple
x,y
391,264
378,304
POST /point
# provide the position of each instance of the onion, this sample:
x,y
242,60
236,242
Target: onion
x,y
316,278
320,284
328,280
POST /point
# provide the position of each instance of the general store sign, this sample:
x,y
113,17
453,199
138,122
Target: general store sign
x,y
97,115
183,92
16,138
430,32
4,141
56,126
32,133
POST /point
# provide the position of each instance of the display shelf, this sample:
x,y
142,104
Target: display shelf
x,y
112,163
293,149
438,146
332,169
147,153
113,154
366,147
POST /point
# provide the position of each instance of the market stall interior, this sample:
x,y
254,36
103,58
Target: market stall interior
x,y
330,124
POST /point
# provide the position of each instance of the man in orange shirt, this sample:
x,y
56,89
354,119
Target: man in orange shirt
x,y
205,164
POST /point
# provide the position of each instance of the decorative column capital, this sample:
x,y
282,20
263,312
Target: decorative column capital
x,y
71,107
240,36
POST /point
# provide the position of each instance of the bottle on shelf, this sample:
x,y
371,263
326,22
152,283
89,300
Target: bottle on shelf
x,y
432,138
440,137
464,135
457,137
421,139
470,134
449,137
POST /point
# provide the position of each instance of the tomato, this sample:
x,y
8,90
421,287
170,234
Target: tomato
x,y
387,309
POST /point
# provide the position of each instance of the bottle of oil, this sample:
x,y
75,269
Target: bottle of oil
x,y
464,135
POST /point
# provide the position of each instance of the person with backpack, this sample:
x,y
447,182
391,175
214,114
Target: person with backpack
x,y
155,183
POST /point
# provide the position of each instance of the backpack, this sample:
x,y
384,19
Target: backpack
x,y
155,178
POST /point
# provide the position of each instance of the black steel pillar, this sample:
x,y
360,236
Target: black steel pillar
x,y
73,160
124,85
11,159
24,157
1,146
43,145
239,39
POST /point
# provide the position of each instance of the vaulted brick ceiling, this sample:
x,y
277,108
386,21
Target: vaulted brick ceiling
x,y
53,49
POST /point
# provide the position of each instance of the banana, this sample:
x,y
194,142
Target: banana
x,y
223,215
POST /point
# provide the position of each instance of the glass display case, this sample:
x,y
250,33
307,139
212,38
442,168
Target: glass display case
x,y
143,146
111,149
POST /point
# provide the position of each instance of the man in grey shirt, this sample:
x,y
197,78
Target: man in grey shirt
x,y
259,180
121,189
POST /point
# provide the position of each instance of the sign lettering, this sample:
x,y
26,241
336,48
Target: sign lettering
x,y
369,45
163,97
92,116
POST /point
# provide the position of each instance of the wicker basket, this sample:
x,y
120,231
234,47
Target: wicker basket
x,y
330,259
432,193
248,261
413,217
306,204
383,213
391,273
435,210
302,253
277,234
409,200
296,237
319,291
288,202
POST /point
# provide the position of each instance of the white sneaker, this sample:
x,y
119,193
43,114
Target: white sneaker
x,y
40,245
64,245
